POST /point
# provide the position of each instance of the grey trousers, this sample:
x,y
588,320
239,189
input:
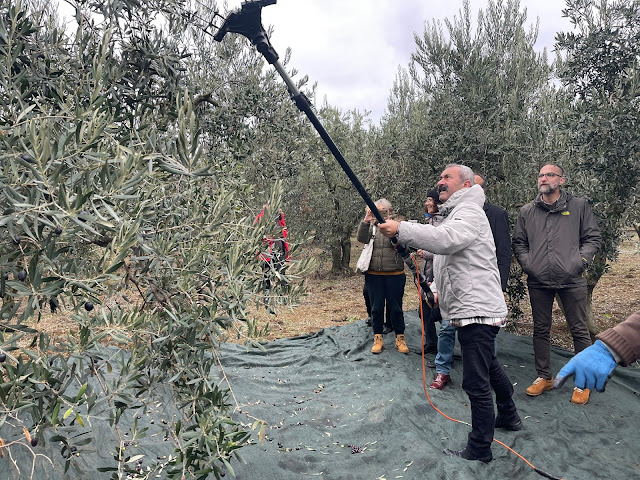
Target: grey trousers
x,y
574,301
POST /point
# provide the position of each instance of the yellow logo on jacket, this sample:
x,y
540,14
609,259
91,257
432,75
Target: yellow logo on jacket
x,y
565,213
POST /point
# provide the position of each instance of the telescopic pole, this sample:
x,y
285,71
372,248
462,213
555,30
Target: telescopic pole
x,y
247,21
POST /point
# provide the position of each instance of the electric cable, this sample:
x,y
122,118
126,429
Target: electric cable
x,y
424,388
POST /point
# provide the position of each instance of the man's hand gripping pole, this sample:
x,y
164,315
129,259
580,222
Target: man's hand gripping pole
x,y
247,21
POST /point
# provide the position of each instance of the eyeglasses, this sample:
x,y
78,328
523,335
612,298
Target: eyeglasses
x,y
548,175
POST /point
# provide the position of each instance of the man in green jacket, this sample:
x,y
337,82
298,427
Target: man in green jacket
x,y
555,240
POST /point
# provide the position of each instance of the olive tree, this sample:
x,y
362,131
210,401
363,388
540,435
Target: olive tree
x,y
600,74
482,89
333,204
478,94
109,190
398,171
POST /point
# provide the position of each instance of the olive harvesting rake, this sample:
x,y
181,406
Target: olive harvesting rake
x,y
247,21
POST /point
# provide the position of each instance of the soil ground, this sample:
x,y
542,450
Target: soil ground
x,y
334,300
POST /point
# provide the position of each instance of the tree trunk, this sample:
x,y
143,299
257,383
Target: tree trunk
x,y
636,227
340,255
593,275
336,255
346,253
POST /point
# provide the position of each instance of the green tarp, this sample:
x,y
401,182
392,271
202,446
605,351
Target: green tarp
x,y
334,411
322,393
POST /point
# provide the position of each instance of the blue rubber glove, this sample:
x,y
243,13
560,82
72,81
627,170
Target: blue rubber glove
x,y
592,367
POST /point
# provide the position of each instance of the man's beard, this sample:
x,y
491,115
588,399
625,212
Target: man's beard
x,y
547,189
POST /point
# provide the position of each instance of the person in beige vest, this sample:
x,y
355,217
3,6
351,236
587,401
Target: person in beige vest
x,y
385,279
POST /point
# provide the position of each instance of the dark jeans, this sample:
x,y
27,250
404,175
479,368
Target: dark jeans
x,y
277,263
574,301
389,288
482,372
367,303
429,325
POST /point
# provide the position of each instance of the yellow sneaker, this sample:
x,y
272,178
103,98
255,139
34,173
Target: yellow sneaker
x,y
539,386
378,343
580,396
401,344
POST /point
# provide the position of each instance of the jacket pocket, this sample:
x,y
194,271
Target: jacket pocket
x,y
574,265
568,269
525,264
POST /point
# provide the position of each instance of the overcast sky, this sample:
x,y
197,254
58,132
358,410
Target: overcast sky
x,y
352,48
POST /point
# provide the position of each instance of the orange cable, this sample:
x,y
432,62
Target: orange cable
x,y
424,387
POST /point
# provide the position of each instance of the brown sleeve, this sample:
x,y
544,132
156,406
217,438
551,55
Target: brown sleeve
x,y
624,339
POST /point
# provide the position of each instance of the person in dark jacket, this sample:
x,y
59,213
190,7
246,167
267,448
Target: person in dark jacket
x,y
555,240
594,365
429,315
385,279
499,222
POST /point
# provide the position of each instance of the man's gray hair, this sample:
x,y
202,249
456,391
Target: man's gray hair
x,y
385,203
465,172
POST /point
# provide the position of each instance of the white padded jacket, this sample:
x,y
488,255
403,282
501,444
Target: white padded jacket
x,y
465,268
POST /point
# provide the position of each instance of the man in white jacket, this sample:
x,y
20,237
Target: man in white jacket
x,y
467,288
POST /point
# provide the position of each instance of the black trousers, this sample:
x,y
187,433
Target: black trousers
x,y
428,322
389,289
367,303
481,372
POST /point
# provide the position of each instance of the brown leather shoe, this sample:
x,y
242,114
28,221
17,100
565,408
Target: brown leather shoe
x,y
401,345
440,381
580,396
378,343
539,386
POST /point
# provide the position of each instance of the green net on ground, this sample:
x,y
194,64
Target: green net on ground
x,y
334,411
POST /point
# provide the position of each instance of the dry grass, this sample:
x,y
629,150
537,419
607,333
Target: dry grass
x,y
331,300
335,300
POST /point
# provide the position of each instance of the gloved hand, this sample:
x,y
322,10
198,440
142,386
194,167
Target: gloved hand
x,y
592,367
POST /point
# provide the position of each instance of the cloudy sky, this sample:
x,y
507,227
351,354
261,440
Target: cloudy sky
x,y
352,48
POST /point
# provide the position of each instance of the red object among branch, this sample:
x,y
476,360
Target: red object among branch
x,y
272,241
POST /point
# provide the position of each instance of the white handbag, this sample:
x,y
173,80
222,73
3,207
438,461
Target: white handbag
x,y
365,257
